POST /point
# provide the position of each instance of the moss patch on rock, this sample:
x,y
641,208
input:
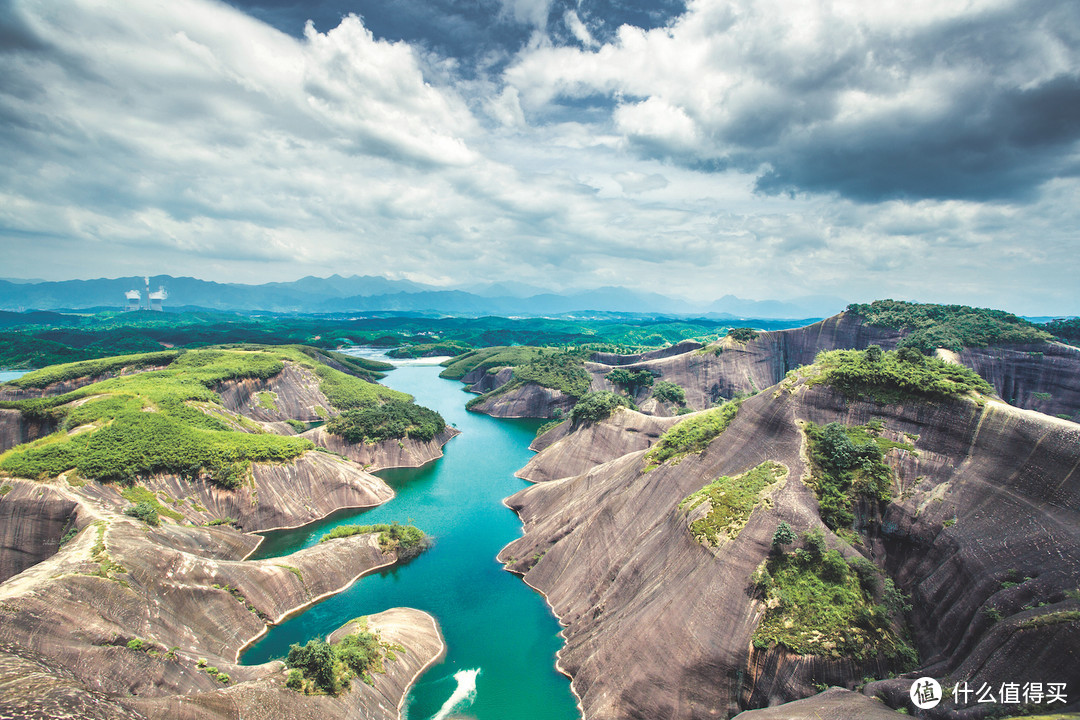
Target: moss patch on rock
x,y
731,501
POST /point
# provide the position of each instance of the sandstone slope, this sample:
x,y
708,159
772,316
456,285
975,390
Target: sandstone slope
x,y
984,524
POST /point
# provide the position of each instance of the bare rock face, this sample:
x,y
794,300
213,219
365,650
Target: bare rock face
x,y
16,429
291,394
833,704
406,452
76,616
528,401
274,496
720,371
268,699
984,524
481,381
594,444
1036,377
33,520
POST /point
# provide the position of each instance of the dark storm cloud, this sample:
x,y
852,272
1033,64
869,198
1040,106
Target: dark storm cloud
x,y
939,103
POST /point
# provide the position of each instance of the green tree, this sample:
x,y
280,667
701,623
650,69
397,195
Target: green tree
x,y
784,535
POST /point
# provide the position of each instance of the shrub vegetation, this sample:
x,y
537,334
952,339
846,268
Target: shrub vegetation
x,y
742,334
392,419
666,391
406,540
817,604
895,376
631,380
731,502
596,406
954,327
848,462
320,667
692,435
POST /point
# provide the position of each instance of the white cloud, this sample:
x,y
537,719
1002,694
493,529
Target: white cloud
x,y
189,138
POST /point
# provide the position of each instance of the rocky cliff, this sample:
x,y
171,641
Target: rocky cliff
x,y
124,612
102,615
982,531
16,429
292,394
1037,377
526,401
406,452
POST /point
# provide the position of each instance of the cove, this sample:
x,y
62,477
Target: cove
x,y
491,620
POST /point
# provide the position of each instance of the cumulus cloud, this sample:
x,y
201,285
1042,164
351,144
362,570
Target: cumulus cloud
x,y
930,99
189,138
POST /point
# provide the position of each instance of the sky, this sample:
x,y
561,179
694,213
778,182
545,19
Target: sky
x,y
914,149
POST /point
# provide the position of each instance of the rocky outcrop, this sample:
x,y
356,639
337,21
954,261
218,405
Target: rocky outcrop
x,y
273,496
406,452
590,445
483,381
16,429
526,401
656,625
75,615
1036,377
726,368
33,520
292,394
833,704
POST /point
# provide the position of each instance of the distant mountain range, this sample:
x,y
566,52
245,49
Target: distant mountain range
x,y
364,294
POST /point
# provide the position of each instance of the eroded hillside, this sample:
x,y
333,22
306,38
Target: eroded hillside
x,y
124,529
949,546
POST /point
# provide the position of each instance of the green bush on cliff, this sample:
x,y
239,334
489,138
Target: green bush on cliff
x,y
954,327
692,435
848,462
322,667
392,419
144,511
731,502
666,391
742,334
597,406
631,380
895,376
820,605
562,371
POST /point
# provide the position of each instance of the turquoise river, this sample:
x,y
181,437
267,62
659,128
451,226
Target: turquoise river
x,y
492,621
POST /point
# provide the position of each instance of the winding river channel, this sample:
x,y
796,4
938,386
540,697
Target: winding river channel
x,y
501,637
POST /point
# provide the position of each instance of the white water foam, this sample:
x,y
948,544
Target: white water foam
x,y
462,696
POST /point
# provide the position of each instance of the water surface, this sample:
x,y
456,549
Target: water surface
x,y
491,620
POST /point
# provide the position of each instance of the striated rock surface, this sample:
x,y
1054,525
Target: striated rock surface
x,y
1037,377
481,381
16,429
984,523
833,704
724,369
588,446
527,401
33,520
74,615
291,394
406,452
